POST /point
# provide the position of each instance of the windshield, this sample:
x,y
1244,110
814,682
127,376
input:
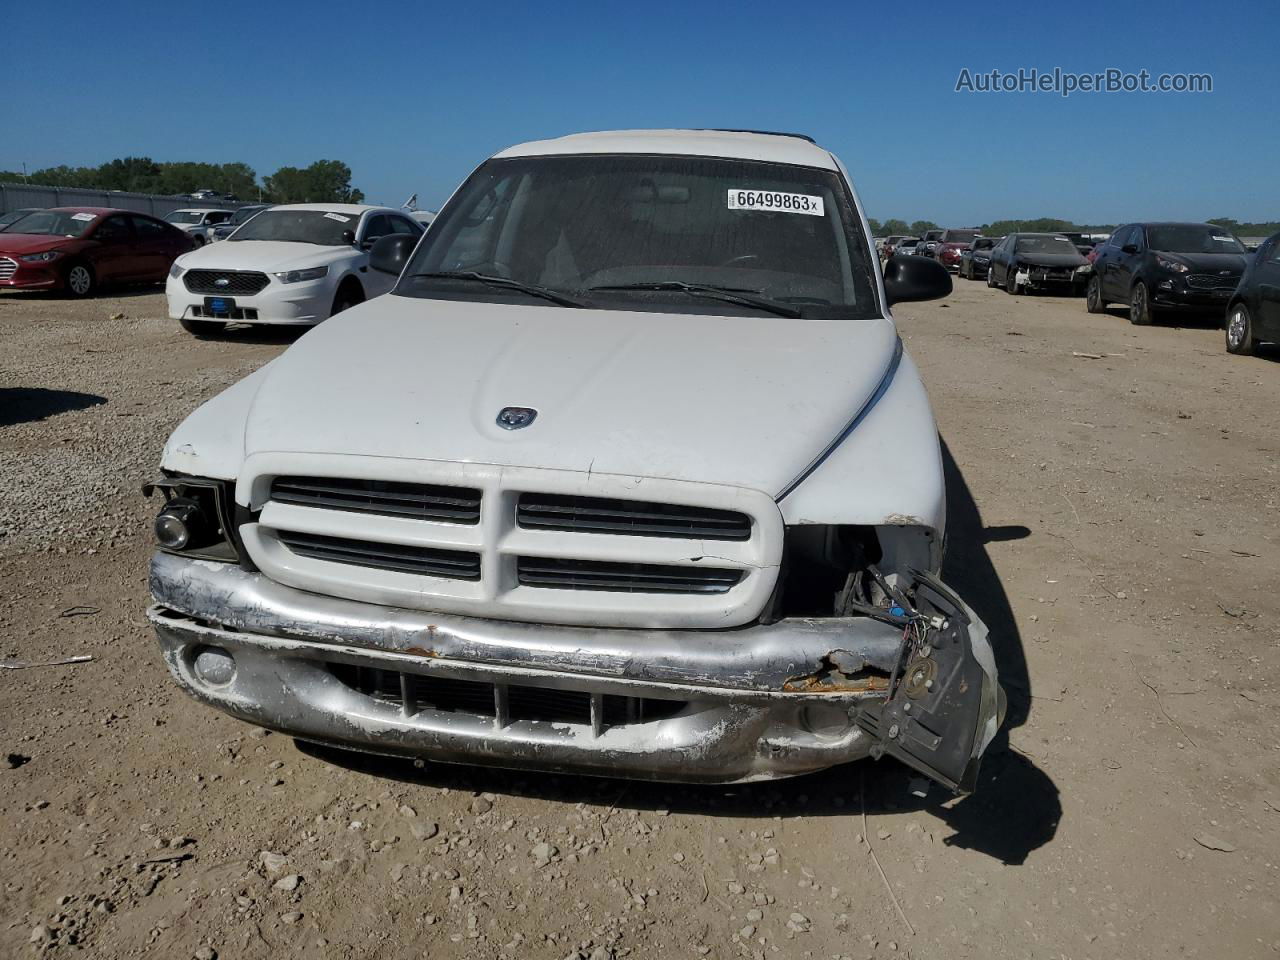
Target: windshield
x,y
983,243
184,216
1055,245
11,217
53,223
607,231
1192,238
299,226
959,236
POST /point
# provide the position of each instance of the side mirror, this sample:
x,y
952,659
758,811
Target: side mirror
x,y
348,236
1129,248
908,278
390,253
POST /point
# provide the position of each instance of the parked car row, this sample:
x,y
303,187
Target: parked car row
x,y
1153,268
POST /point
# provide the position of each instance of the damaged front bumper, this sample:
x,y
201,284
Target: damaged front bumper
x,y
709,706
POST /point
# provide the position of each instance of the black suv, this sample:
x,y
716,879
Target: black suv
x,y
1154,267
1253,312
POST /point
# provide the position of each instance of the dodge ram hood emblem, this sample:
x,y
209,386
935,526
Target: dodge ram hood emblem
x,y
516,418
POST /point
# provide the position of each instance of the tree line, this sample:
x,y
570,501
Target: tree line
x,y
999,228
325,181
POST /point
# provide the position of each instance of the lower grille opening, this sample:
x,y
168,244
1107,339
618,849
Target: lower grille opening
x,y
415,692
429,561
623,577
239,313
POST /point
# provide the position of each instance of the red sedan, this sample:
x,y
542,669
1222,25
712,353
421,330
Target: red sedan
x,y
78,249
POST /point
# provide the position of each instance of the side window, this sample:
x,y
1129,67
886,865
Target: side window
x,y
401,225
1270,251
113,229
375,227
1137,238
219,217
148,229
1121,236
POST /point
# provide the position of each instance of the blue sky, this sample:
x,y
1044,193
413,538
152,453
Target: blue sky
x,y
414,95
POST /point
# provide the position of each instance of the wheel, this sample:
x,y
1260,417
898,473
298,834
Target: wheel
x,y
199,240
960,273
1239,329
991,276
80,280
1011,279
1093,301
348,295
1140,306
202,328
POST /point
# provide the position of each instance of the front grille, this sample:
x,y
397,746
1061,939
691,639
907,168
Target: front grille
x,y
418,501
622,577
1211,281
629,518
427,561
239,283
503,703
8,268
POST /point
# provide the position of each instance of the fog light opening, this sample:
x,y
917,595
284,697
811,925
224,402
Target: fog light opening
x,y
825,720
214,665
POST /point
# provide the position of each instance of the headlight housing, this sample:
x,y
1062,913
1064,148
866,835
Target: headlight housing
x,y
48,256
1084,268
1172,265
197,518
176,271
298,276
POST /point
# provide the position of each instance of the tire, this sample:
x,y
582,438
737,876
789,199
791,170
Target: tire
x,y
1093,301
348,295
991,276
1140,314
1011,279
1239,329
198,240
80,281
202,328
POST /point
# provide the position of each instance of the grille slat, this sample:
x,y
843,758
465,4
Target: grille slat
x,y
1210,281
428,561
523,703
630,518
420,501
8,268
623,577
241,283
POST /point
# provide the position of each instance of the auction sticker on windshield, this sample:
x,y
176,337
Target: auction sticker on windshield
x,y
83,216
337,216
774,200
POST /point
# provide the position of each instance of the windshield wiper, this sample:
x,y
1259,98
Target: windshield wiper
x,y
746,298
530,288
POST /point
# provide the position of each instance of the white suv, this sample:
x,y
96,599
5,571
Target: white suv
x,y
630,475
291,264
198,221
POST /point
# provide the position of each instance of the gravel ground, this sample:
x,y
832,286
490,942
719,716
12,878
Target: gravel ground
x,y
1114,520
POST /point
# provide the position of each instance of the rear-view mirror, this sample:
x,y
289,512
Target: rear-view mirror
x,y
390,253
911,278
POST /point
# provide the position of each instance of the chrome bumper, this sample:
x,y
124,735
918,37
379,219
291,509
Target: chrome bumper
x,y
754,703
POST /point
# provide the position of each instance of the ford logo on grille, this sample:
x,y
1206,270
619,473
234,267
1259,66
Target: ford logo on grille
x,y
516,418
222,282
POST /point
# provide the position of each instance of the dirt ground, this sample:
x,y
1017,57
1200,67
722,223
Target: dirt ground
x,y
1114,521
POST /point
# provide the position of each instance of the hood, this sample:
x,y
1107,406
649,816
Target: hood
x,y
1052,259
743,401
266,255
21,243
1195,262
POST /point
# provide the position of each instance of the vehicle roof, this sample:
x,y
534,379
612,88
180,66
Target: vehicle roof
x,y
737,145
1035,233
1173,223
354,208
202,210
97,211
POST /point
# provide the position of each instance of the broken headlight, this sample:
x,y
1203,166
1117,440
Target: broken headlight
x,y
197,518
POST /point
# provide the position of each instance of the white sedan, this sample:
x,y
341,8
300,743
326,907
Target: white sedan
x,y
291,264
